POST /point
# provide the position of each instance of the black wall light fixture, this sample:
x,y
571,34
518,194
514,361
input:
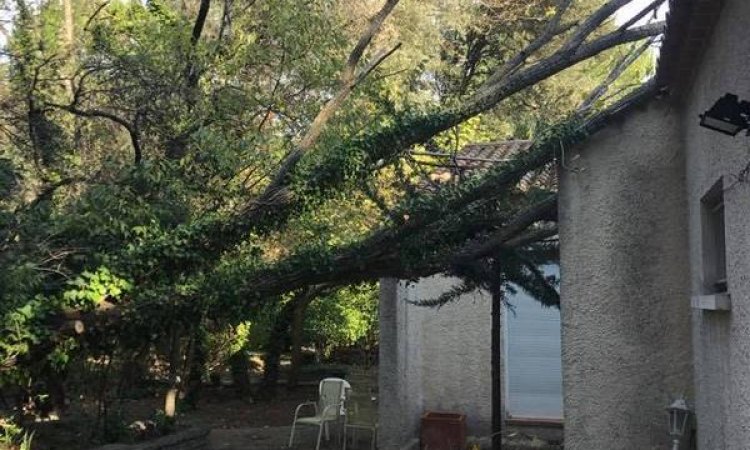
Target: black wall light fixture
x,y
729,115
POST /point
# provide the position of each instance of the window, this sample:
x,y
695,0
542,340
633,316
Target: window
x,y
714,246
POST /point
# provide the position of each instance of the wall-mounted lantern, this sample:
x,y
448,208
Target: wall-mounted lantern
x,y
679,413
729,115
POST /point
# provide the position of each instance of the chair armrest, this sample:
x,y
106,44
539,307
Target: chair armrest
x,y
301,405
328,408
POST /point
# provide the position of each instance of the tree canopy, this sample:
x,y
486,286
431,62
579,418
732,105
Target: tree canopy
x,y
167,163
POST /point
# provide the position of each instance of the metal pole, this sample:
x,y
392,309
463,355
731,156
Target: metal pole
x,y
496,355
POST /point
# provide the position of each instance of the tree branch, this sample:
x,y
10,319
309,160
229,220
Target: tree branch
x,y
592,23
622,65
489,244
380,255
375,23
424,127
95,13
374,63
47,192
550,31
200,21
554,64
650,7
376,258
532,237
347,82
387,143
130,128
226,18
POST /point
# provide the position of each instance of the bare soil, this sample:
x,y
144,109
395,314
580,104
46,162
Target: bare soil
x,y
219,408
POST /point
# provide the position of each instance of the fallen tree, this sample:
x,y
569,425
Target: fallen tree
x,y
179,253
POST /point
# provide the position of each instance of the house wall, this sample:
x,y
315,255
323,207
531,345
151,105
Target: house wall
x,y
432,359
625,297
721,340
400,395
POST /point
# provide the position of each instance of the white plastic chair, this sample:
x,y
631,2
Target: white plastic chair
x,y
331,393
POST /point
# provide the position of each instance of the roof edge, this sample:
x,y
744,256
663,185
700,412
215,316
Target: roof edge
x,y
690,24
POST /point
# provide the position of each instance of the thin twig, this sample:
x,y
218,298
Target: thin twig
x,y
622,65
651,7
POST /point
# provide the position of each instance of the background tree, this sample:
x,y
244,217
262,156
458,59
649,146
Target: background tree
x,y
172,168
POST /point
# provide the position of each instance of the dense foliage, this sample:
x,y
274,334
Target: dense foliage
x,y
169,183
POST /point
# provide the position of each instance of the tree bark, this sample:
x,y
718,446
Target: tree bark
x,y
196,367
200,21
277,342
348,80
175,356
134,372
55,383
297,333
68,38
240,377
279,339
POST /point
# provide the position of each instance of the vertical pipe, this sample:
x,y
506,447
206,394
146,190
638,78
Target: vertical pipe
x,y
497,386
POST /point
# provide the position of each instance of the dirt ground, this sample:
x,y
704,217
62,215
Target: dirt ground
x,y
219,408
277,438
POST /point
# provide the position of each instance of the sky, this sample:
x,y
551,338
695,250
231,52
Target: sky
x,y
626,12
621,16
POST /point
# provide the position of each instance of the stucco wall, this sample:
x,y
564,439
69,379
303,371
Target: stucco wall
x,y
400,399
432,359
625,295
721,339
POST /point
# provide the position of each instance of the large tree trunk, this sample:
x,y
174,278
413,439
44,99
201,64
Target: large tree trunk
x,y
68,23
296,333
196,363
175,359
135,371
55,383
68,38
277,343
284,327
239,367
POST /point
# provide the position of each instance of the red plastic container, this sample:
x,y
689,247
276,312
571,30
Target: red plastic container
x,y
443,431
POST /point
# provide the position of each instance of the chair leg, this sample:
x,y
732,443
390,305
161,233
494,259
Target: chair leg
x,y
320,433
291,435
328,433
344,436
372,439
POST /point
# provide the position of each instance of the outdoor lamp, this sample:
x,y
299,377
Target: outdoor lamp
x,y
679,413
729,115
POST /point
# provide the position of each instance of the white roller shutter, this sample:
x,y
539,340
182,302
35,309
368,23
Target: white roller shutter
x,y
533,374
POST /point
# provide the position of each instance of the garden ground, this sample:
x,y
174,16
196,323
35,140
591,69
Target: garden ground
x,y
219,409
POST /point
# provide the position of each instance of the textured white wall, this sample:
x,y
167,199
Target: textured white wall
x,y
432,359
621,238
400,394
455,342
625,296
721,339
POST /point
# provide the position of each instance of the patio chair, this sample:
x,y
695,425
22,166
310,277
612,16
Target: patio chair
x,y
361,414
328,408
